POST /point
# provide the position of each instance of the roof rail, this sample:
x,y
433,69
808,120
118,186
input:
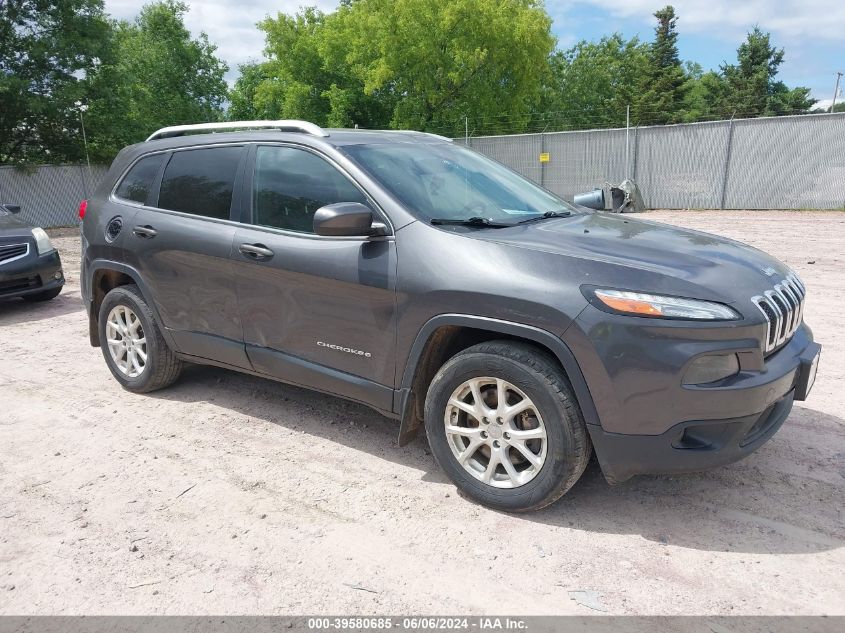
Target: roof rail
x,y
442,138
284,125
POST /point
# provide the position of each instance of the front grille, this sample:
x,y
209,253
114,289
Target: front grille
x,y
9,252
783,307
23,283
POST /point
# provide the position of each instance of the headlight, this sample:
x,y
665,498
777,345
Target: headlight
x,y
42,241
640,304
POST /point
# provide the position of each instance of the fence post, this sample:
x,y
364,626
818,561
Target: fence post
x,y
627,144
542,165
636,151
727,162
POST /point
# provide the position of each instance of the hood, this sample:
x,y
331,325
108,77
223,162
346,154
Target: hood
x,y
668,258
10,226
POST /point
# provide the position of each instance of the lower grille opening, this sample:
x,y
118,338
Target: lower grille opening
x,y
762,425
20,284
702,437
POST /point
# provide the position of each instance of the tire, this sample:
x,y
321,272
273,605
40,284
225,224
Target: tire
x,y
45,295
161,367
523,371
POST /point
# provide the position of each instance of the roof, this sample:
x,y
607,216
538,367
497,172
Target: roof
x,y
333,138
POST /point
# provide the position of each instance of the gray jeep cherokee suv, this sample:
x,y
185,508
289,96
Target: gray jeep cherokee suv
x,y
410,274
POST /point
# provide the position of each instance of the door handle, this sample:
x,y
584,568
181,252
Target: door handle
x,y
255,251
145,231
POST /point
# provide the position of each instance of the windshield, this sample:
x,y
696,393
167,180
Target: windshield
x,y
450,182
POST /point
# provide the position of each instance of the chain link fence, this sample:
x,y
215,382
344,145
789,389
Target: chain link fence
x,y
49,195
791,162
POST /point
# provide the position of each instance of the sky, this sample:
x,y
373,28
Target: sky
x,y
812,32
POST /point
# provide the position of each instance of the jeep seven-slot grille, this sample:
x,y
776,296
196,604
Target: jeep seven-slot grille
x,y
9,252
783,307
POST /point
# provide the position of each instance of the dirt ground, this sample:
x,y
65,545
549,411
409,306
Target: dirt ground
x,y
228,494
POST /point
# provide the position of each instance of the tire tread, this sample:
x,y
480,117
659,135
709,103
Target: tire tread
x,y
167,366
546,368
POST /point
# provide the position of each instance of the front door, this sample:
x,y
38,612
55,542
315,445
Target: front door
x,y
317,311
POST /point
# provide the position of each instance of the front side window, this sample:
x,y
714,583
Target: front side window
x,y
290,184
138,181
447,181
200,181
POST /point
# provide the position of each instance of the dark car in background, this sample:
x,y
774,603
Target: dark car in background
x,y
413,275
30,267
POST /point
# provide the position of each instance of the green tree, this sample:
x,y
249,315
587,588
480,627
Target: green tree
x,y
592,83
47,49
751,89
704,94
664,84
442,60
839,107
294,79
156,75
300,80
242,96
406,64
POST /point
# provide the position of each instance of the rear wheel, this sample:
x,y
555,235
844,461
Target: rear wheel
x,y
503,423
132,344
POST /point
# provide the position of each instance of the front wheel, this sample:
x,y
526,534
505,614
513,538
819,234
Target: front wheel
x,y
502,421
132,344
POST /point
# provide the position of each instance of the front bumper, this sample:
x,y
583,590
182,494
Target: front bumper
x,y
688,446
651,423
31,275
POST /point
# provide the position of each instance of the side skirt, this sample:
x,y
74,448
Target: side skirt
x,y
273,365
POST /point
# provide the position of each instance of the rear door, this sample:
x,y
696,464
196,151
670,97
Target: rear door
x,y
181,242
318,311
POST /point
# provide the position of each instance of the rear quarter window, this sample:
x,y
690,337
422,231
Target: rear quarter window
x,y
138,181
200,181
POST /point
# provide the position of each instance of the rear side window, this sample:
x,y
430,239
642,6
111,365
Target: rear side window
x,y
136,184
200,181
291,184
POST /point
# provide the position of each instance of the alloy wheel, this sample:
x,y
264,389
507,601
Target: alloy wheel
x,y
496,432
126,341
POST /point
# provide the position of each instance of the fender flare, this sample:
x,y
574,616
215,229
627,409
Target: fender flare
x,y
542,337
107,264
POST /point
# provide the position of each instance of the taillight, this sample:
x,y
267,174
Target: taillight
x,y
83,207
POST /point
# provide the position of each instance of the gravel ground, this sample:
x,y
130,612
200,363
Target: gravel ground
x,y
229,494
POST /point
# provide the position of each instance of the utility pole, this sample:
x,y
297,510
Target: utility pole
x,y
835,92
82,108
466,131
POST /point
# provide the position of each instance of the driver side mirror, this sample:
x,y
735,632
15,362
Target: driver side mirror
x,y
11,208
347,219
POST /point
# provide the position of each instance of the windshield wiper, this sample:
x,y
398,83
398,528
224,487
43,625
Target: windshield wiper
x,y
469,222
547,214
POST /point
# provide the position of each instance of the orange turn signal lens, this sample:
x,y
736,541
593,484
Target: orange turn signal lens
x,y
632,306
648,305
